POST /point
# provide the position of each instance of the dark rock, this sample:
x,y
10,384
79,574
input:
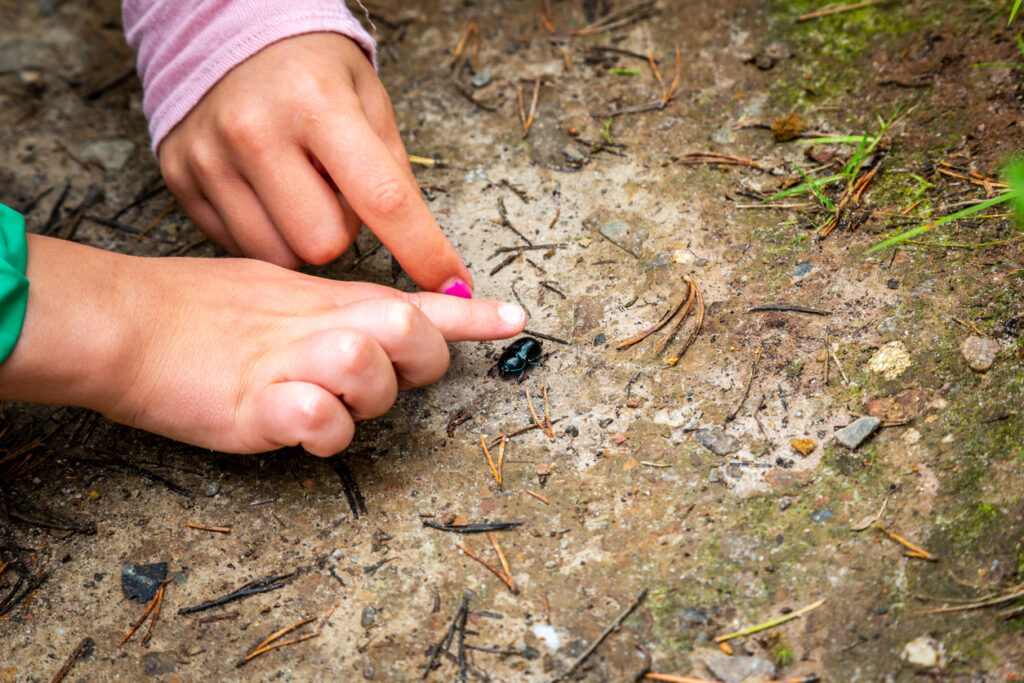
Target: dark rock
x,y
893,283
717,441
212,490
803,269
141,581
369,616
600,339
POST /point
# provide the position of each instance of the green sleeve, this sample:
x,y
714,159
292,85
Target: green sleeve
x,y
13,284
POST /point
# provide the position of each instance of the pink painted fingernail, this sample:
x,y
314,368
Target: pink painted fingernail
x,y
458,288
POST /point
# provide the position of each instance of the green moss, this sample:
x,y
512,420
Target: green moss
x,y
782,655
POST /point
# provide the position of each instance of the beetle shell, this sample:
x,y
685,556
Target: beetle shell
x,y
518,356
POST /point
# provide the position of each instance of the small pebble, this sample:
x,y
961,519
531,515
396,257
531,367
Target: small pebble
x,y
890,361
923,652
309,484
112,155
369,616
94,495
481,78
853,435
804,446
821,516
980,352
717,441
803,269
212,489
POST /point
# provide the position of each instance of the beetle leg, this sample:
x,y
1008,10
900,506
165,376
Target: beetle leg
x,y
538,361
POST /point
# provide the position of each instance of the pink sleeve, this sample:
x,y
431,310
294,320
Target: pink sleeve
x,y
185,46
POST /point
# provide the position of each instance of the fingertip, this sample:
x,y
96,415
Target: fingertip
x,y
514,316
457,287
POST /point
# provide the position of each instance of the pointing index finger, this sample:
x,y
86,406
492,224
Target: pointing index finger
x,y
378,189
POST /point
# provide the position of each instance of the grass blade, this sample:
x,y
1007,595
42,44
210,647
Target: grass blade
x,y
837,139
825,201
804,188
965,213
1013,12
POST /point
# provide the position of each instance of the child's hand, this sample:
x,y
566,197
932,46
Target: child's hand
x,y
246,163
230,354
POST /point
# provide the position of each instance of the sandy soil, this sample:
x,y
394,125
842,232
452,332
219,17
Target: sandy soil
x,y
629,497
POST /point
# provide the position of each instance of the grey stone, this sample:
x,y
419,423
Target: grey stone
x,y
112,155
821,516
369,616
625,235
980,352
573,155
687,416
212,490
157,663
717,441
481,78
853,435
740,669
803,269
694,616
662,260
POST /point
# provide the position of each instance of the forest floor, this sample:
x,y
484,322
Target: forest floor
x,y
674,485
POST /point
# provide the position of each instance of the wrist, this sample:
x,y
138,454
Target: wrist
x,y
74,345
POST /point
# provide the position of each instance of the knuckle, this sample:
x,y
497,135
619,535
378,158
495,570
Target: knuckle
x,y
357,351
389,197
244,128
309,92
403,318
174,173
321,252
317,413
204,159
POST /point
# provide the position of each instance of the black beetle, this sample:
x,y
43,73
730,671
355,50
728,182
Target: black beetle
x,y
517,356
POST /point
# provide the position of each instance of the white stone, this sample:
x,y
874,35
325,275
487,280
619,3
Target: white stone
x,y
890,361
548,634
923,652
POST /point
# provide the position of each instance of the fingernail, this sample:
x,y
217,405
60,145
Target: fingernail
x,y
512,314
458,288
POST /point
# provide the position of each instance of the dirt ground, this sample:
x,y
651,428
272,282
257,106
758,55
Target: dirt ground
x,y
631,495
